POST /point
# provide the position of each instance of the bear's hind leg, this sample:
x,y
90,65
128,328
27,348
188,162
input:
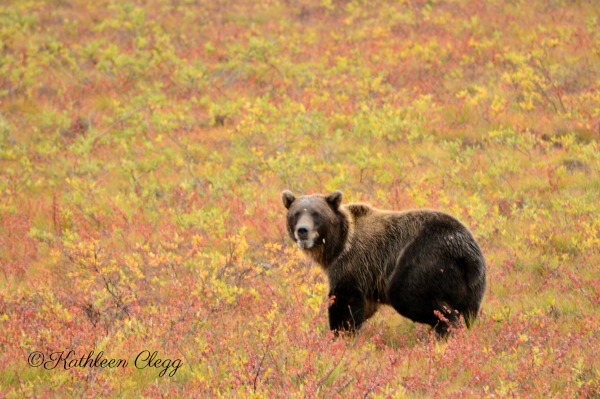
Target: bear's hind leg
x,y
447,319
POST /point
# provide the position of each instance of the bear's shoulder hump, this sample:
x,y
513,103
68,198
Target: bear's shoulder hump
x,y
358,210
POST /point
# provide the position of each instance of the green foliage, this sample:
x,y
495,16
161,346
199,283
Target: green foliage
x,y
144,146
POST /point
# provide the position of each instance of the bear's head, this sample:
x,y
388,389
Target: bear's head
x,y
312,218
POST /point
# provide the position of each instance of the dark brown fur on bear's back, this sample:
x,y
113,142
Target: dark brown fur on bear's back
x,y
424,263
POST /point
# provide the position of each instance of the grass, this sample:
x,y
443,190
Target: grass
x,y
144,146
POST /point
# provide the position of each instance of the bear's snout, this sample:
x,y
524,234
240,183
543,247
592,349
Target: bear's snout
x,y
305,237
305,233
302,232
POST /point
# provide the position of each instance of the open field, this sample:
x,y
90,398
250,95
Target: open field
x,y
144,145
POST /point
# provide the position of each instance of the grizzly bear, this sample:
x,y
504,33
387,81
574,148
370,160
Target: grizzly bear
x,y
424,263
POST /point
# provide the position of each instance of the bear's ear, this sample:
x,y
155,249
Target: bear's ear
x,y
334,199
287,197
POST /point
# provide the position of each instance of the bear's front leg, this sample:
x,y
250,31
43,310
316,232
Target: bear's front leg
x,y
346,309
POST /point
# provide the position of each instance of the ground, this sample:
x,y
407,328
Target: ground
x,y
144,146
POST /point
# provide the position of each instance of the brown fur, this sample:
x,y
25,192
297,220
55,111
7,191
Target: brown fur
x,y
421,262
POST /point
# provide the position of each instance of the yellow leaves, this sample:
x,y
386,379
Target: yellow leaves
x,y
52,305
480,98
586,376
237,245
550,42
223,291
133,264
462,94
314,295
523,338
532,81
424,104
587,237
474,95
379,32
328,5
286,259
498,105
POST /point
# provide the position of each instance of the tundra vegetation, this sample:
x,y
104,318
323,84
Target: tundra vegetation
x,y
144,145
